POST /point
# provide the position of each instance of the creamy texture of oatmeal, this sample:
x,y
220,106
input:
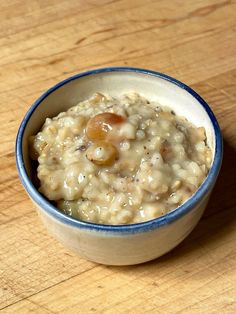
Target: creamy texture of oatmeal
x,y
119,160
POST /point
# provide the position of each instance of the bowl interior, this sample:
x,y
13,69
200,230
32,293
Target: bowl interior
x,y
152,87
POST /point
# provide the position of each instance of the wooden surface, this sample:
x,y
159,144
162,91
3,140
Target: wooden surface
x,y
45,41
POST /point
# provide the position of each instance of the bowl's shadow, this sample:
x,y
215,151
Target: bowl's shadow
x,y
217,221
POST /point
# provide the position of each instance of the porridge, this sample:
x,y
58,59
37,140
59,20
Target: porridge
x,y
119,160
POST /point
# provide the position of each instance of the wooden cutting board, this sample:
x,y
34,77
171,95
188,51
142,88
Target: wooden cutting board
x,y
43,42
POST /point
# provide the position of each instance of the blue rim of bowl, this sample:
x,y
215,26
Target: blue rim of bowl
x,y
131,228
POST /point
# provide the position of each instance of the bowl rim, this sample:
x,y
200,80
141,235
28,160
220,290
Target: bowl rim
x,y
166,219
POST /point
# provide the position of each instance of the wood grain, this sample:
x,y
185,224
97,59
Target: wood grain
x,y
43,42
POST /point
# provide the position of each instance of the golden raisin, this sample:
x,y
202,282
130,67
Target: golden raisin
x,y
99,126
102,153
166,151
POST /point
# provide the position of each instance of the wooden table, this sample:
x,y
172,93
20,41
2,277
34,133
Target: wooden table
x,y
43,42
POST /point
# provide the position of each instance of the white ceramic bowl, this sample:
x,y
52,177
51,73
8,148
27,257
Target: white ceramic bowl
x,y
121,244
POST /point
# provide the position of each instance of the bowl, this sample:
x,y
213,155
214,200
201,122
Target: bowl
x,y
120,244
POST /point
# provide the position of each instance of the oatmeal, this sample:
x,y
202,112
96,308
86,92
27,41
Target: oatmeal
x,y
119,160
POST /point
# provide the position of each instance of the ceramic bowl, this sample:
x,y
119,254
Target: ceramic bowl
x,y
121,244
